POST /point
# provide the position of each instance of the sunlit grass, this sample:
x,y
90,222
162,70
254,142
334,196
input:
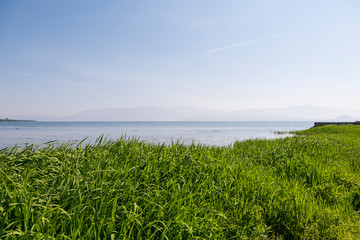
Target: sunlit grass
x,y
301,187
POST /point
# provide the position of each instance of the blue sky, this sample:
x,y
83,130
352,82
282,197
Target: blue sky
x,y
62,57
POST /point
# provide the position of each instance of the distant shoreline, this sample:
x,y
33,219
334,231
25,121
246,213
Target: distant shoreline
x,y
15,120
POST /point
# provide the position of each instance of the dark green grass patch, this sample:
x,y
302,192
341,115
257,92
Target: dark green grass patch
x,y
301,187
332,129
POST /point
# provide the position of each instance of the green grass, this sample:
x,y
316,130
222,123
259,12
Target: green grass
x,y
301,187
332,129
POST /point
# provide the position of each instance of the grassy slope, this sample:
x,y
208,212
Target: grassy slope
x,y
303,187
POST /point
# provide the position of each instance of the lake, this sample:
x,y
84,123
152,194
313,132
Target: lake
x,y
211,133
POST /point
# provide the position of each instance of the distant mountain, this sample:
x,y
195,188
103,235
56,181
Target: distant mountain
x,y
343,118
142,114
292,113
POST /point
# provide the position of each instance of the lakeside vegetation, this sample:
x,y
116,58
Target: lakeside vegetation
x,y
301,187
14,120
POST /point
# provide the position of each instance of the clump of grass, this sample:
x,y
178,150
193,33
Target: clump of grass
x,y
301,187
332,129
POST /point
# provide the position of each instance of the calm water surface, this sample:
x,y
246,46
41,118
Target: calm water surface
x,y
212,133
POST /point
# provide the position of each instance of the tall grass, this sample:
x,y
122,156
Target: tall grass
x,y
301,187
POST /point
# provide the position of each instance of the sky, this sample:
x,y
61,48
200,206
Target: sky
x,y
62,57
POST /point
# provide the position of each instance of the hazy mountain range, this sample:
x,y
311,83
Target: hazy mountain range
x,y
292,113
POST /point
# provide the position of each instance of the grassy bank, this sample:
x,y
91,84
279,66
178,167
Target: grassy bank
x,y
301,187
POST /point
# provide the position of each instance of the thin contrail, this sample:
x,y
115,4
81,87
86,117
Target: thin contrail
x,y
238,44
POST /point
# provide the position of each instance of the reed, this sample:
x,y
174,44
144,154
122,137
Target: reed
x,y
301,187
